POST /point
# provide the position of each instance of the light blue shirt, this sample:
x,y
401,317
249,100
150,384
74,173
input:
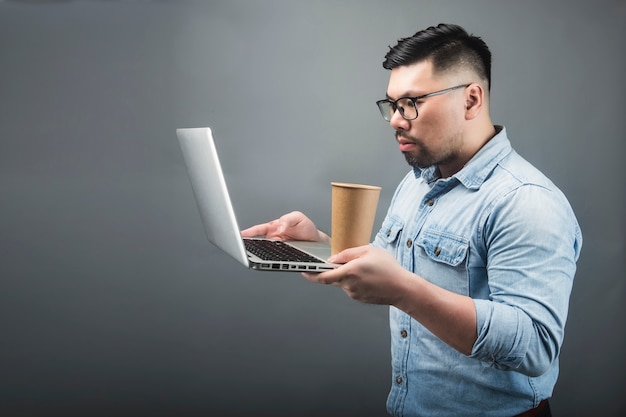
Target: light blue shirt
x,y
502,233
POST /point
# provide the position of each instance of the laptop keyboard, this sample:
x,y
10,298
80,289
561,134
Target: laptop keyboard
x,y
275,250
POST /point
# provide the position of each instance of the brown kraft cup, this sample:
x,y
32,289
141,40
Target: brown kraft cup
x,y
353,214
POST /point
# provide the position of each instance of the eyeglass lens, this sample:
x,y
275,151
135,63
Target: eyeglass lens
x,y
405,106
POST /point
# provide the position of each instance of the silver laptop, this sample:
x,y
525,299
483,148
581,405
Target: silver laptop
x,y
218,216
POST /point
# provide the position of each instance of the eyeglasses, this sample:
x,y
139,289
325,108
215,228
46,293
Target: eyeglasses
x,y
407,106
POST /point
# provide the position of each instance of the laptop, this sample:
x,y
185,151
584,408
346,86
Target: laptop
x,y
218,217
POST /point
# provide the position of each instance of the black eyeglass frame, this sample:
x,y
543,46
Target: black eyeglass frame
x,y
394,103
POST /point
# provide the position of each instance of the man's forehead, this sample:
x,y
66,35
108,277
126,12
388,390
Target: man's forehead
x,y
412,79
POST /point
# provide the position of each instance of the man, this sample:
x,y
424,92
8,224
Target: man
x,y
477,253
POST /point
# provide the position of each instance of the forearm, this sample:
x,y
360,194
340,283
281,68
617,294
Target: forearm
x,y
449,316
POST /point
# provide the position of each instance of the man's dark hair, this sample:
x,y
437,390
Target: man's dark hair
x,y
447,46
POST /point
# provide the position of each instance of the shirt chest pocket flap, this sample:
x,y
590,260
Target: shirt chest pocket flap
x,y
390,230
444,247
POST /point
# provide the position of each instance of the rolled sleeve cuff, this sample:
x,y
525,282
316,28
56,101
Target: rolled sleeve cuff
x,y
503,335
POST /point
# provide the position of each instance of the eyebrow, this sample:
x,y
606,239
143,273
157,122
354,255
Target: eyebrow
x,y
402,96
405,94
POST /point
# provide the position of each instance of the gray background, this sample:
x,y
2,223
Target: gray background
x,y
112,302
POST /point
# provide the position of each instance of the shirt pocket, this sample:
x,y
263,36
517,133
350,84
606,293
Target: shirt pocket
x,y
442,260
444,247
389,233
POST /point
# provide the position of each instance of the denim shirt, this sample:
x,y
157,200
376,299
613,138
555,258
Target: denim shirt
x,y
503,234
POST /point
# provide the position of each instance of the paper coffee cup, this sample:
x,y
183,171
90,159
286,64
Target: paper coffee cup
x,y
353,214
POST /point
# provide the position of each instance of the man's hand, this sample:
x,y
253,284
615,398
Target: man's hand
x,y
370,275
291,226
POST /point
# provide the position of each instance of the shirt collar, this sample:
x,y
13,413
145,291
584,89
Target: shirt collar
x,y
477,169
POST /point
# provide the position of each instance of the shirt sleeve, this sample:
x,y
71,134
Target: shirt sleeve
x,y
533,243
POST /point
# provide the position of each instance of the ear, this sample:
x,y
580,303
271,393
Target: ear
x,y
474,101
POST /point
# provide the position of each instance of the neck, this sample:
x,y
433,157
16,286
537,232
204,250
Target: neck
x,y
473,141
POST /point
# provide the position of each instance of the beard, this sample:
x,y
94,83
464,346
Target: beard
x,y
424,157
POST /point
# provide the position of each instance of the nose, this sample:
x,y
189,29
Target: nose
x,y
398,122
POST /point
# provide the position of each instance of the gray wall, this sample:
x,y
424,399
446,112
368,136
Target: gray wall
x,y
111,300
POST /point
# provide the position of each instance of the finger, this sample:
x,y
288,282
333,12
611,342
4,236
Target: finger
x,y
257,230
332,277
348,255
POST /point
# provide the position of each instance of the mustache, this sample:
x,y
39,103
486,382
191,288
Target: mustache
x,y
404,135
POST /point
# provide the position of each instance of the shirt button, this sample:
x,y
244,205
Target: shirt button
x,y
409,243
430,202
388,233
404,334
399,380
437,251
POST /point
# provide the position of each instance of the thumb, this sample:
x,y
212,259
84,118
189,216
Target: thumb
x,y
348,255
